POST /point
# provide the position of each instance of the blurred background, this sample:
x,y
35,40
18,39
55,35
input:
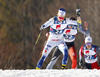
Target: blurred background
x,y
20,21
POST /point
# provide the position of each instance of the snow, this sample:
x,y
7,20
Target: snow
x,y
50,73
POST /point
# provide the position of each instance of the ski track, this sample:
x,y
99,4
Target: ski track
x,y
50,73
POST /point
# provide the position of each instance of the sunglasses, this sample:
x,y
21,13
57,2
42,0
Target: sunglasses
x,y
61,18
70,25
88,43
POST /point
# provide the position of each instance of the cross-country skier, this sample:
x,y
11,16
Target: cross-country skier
x,y
90,54
69,37
57,26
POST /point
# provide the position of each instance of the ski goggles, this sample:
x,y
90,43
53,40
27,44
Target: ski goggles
x,y
70,25
88,43
61,17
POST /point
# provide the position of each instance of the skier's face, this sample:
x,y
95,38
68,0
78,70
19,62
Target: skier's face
x,y
70,26
61,18
88,45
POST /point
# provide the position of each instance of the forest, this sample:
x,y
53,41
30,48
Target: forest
x,y
20,22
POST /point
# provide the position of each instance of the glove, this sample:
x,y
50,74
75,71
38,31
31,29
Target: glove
x,y
99,62
86,25
81,63
42,27
78,12
47,34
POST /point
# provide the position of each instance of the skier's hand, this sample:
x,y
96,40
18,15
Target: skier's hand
x,y
42,27
78,12
47,34
99,62
86,25
81,63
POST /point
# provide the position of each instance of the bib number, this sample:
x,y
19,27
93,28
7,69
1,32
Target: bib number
x,y
88,57
68,37
58,32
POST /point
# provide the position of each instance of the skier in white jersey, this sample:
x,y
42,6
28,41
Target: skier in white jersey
x,y
69,37
55,39
90,54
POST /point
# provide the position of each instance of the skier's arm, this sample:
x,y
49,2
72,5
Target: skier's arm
x,y
98,48
81,53
47,24
84,31
79,21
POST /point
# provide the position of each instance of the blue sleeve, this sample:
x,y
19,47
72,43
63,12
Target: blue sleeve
x,y
97,48
83,31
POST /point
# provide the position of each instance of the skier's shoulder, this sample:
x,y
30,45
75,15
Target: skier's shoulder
x,y
67,19
52,19
55,18
95,46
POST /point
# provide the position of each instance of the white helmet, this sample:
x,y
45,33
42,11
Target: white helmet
x,y
88,39
62,12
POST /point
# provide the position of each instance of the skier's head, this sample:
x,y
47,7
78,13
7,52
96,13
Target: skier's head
x,y
72,18
88,42
88,39
61,14
71,22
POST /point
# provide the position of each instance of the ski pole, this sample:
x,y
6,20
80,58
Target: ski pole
x,y
78,20
84,33
34,48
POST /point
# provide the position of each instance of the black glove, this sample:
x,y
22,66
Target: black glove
x,y
78,12
42,27
81,63
99,62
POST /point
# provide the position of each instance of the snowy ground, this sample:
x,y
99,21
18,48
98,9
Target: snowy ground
x,y
50,73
